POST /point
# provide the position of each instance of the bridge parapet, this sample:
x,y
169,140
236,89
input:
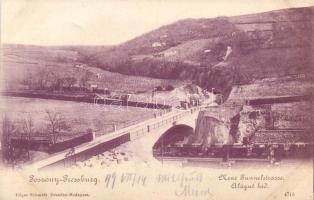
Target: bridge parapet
x,y
109,141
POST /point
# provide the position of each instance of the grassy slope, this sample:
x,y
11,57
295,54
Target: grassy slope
x,y
20,62
280,45
284,50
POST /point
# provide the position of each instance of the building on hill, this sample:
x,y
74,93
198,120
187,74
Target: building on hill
x,y
156,44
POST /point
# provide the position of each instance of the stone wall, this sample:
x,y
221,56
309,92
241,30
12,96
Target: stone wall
x,y
278,116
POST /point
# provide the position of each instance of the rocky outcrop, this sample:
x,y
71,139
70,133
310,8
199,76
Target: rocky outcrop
x,y
280,108
210,131
217,125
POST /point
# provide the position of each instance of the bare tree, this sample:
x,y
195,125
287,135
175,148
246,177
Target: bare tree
x,y
41,78
44,78
56,124
28,129
70,81
8,127
83,81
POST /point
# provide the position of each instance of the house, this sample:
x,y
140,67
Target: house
x,y
98,75
158,55
228,52
92,87
81,66
156,44
170,53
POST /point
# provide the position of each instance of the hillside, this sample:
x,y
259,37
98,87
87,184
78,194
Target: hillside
x,y
213,53
218,52
46,67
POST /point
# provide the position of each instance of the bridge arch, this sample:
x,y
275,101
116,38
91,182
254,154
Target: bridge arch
x,y
174,134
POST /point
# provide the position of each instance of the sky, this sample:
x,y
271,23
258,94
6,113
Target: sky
x,y
108,22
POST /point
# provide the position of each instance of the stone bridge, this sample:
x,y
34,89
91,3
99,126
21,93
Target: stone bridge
x,y
139,138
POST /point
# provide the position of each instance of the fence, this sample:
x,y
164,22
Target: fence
x,y
73,156
138,132
70,143
117,126
87,99
44,144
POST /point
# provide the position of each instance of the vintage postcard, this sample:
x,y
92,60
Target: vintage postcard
x,y
156,99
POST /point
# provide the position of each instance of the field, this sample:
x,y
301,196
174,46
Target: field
x,y
77,117
25,65
121,82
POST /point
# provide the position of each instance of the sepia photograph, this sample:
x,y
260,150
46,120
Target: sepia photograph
x,y
134,99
